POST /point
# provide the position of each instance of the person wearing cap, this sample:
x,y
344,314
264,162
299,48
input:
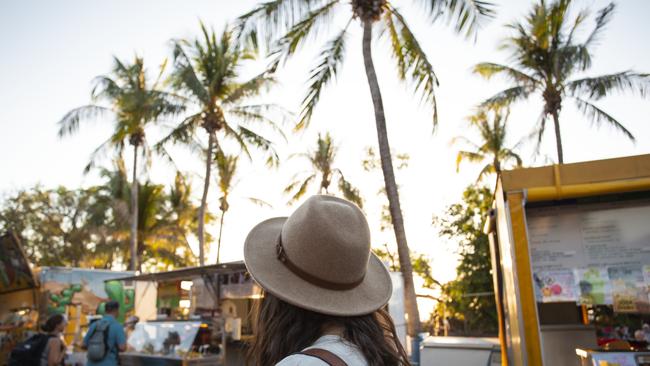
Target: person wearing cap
x,y
325,292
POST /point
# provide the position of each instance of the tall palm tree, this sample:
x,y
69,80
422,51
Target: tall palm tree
x,y
206,71
322,160
135,103
547,56
300,20
492,127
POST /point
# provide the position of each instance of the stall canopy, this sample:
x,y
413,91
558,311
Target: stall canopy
x,y
210,275
15,273
187,273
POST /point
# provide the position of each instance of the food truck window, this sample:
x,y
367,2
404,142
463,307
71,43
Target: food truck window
x,y
591,263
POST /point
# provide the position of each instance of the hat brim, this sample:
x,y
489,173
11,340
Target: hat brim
x,y
271,274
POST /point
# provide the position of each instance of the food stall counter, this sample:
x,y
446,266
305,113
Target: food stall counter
x,y
592,357
169,343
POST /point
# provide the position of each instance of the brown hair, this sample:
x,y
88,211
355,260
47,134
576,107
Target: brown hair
x,y
284,329
52,322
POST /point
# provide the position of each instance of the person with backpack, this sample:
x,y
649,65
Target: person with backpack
x,y
105,338
42,349
325,292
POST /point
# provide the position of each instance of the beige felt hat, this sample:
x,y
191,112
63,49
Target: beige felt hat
x,y
319,259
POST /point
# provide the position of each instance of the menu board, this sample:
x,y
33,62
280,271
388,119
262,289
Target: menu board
x,y
592,253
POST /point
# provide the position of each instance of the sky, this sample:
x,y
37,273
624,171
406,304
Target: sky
x,y
52,50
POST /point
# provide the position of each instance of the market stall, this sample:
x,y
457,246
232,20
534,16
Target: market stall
x,y
571,257
202,317
18,296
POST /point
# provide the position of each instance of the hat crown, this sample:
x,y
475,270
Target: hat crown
x,y
329,239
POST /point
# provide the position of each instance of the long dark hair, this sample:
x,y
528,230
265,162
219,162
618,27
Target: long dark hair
x,y
283,329
52,322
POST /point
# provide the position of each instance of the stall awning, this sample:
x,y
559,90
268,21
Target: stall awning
x,y
15,273
187,273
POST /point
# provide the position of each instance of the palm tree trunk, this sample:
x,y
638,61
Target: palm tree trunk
x,y
134,212
410,302
204,199
558,138
223,214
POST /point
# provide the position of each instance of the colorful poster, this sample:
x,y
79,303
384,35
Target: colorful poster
x,y
89,288
628,289
555,286
594,286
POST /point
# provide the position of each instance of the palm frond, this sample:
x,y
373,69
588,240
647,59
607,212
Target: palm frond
x,y
185,76
604,16
600,117
350,192
302,188
69,124
469,156
259,202
512,155
488,70
412,60
507,97
252,114
251,88
181,134
487,169
102,150
331,59
308,25
601,86
467,16
271,18
257,140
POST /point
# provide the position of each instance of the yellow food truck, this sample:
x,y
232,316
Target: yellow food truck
x,y
570,251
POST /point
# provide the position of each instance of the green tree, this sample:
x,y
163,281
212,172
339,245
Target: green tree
x,y
167,217
302,20
492,127
206,71
469,299
135,103
54,224
322,160
546,59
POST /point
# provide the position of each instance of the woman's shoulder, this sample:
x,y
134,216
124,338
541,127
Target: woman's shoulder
x,y
349,353
300,360
54,341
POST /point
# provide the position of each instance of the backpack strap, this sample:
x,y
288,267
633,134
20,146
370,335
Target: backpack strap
x,y
324,355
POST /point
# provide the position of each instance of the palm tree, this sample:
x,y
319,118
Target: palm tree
x,y
322,165
493,143
135,103
226,165
206,71
300,20
226,169
546,56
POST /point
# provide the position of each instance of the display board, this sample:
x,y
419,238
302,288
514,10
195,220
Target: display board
x,y
592,253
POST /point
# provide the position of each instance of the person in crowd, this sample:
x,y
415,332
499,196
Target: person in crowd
x,y
646,332
115,340
325,293
54,351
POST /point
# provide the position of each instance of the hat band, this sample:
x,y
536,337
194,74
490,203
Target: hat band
x,y
282,257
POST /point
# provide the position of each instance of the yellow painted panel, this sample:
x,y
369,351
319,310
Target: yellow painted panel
x,y
524,278
599,171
